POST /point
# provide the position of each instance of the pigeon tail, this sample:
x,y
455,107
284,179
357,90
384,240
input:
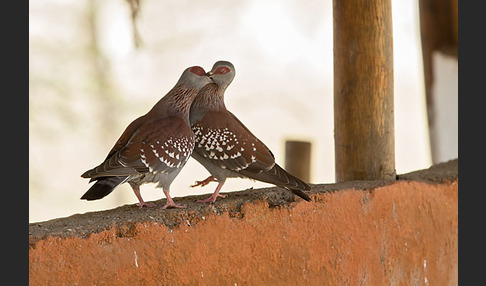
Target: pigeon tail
x,y
103,187
279,177
301,194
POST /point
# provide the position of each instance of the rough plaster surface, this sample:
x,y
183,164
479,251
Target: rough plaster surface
x,y
360,233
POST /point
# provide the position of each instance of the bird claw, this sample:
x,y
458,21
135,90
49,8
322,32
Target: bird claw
x,y
148,205
204,182
173,205
211,199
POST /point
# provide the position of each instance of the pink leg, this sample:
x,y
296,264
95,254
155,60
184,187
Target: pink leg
x,y
141,203
216,194
204,182
170,203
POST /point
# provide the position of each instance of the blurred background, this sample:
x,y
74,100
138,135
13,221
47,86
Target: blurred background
x,y
93,69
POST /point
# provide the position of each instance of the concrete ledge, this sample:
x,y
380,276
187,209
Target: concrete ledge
x,y
355,233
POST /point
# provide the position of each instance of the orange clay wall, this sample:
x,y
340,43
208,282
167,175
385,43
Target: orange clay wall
x,y
402,233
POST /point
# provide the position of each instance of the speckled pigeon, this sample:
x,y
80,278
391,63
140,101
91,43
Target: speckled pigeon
x,y
154,147
225,147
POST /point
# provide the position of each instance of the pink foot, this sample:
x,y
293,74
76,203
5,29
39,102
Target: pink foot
x,y
173,205
211,199
170,203
204,182
141,203
148,205
215,195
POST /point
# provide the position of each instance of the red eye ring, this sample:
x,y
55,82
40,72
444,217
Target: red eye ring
x,y
222,70
197,70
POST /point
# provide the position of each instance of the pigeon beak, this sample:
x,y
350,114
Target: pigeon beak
x,y
210,75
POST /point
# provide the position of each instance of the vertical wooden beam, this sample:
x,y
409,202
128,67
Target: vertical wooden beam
x,y
439,32
298,159
363,90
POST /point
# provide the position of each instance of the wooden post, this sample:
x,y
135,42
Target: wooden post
x,y
438,29
363,90
298,159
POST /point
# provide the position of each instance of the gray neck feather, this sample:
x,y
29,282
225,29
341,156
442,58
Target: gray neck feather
x,y
177,102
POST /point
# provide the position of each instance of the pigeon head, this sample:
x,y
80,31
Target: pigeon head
x,y
222,73
194,77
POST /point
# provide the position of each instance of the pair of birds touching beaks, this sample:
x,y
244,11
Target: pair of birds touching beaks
x,y
190,120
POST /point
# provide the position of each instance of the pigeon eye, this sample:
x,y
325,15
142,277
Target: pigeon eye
x,y
198,70
222,70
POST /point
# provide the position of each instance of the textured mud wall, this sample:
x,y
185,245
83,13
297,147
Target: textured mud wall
x,y
403,233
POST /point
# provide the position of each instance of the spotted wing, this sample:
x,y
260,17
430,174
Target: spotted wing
x,y
162,145
232,146
226,142
127,135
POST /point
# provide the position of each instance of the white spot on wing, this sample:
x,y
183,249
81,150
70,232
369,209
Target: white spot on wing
x,y
171,154
238,154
